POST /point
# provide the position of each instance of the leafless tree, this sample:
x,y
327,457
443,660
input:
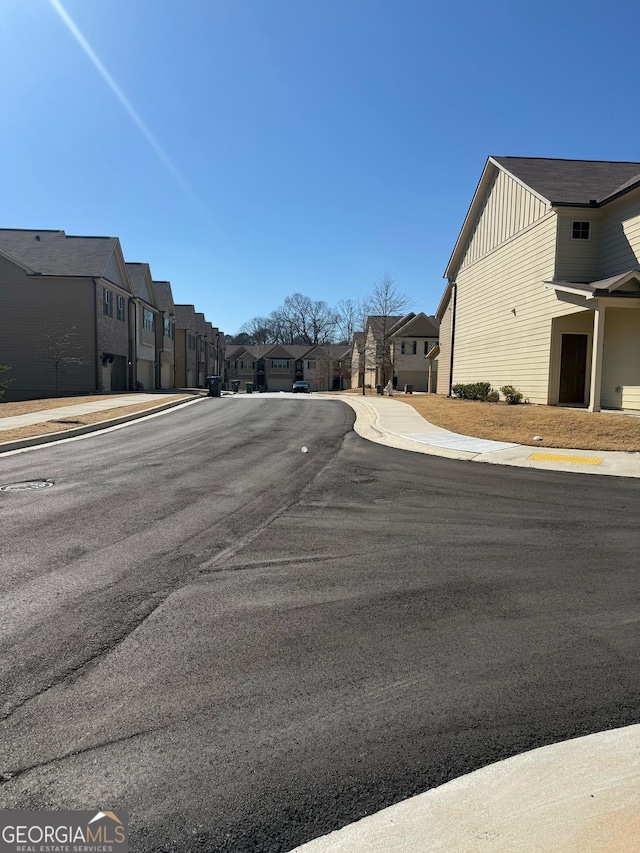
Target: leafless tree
x,y
59,347
351,317
387,303
259,330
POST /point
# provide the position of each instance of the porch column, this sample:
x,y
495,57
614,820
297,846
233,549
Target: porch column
x,y
430,379
596,358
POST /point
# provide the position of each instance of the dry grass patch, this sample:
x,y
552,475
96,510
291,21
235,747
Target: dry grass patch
x,y
571,428
73,421
568,428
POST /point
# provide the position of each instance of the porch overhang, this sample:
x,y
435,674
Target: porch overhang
x,y
625,286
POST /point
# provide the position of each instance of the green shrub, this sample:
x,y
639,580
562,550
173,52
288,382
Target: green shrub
x,y
472,390
4,383
511,395
492,396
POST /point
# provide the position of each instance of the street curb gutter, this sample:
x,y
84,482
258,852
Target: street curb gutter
x,y
49,437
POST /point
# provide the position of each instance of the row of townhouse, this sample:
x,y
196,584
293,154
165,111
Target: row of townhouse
x,y
543,287
76,318
275,367
402,350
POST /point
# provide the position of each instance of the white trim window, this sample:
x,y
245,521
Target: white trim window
x,y
280,364
120,308
147,319
580,230
107,302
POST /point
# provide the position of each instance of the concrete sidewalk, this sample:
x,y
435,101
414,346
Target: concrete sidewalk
x,y
579,796
157,403
391,422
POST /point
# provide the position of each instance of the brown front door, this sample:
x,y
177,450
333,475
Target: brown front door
x,y
573,368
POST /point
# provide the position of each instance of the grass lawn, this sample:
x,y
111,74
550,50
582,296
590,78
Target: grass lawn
x,y
45,427
571,428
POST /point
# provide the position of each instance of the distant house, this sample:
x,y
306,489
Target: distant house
x,y
145,318
186,374
64,314
413,341
165,335
275,367
356,354
544,284
377,366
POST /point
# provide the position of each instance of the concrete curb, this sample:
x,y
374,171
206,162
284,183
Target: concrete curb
x,y
47,438
580,795
404,429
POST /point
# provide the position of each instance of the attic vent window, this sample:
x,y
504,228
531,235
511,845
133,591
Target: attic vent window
x,y
580,230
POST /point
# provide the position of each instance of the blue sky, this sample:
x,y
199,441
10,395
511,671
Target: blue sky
x,y
250,149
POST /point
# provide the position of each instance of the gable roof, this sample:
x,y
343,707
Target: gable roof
x,y
141,282
380,325
419,326
164,296
357,341
185,317
58,254
580,182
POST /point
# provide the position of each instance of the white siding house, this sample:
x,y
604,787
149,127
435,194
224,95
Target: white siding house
x,y
544,284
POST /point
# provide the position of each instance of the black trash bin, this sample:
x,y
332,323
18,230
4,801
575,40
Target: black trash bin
x,y
235,385
379,388
214,383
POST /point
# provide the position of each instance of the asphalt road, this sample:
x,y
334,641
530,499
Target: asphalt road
x,y
248,646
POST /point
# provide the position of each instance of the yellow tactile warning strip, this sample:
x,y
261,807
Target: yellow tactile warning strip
x,y
559,457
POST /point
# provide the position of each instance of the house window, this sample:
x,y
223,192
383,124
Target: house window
x,y
414,347
166,327
402,348
280,364
580,230
147,320
311,365
247,365
428,345
120,308
107,302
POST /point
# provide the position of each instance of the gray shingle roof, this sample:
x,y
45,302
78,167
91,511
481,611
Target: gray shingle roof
x,y
164,297
55,253
572,181
137,276
185,317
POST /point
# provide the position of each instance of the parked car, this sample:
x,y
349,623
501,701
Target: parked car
x,y
301,387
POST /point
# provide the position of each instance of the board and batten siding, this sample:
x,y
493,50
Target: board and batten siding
x,y
112,272
508,208
504,314
27,304
620,236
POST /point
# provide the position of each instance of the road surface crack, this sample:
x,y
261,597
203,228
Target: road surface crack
x,y
10,775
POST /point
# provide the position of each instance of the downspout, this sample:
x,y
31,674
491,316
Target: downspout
x,y
454,285
95,332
